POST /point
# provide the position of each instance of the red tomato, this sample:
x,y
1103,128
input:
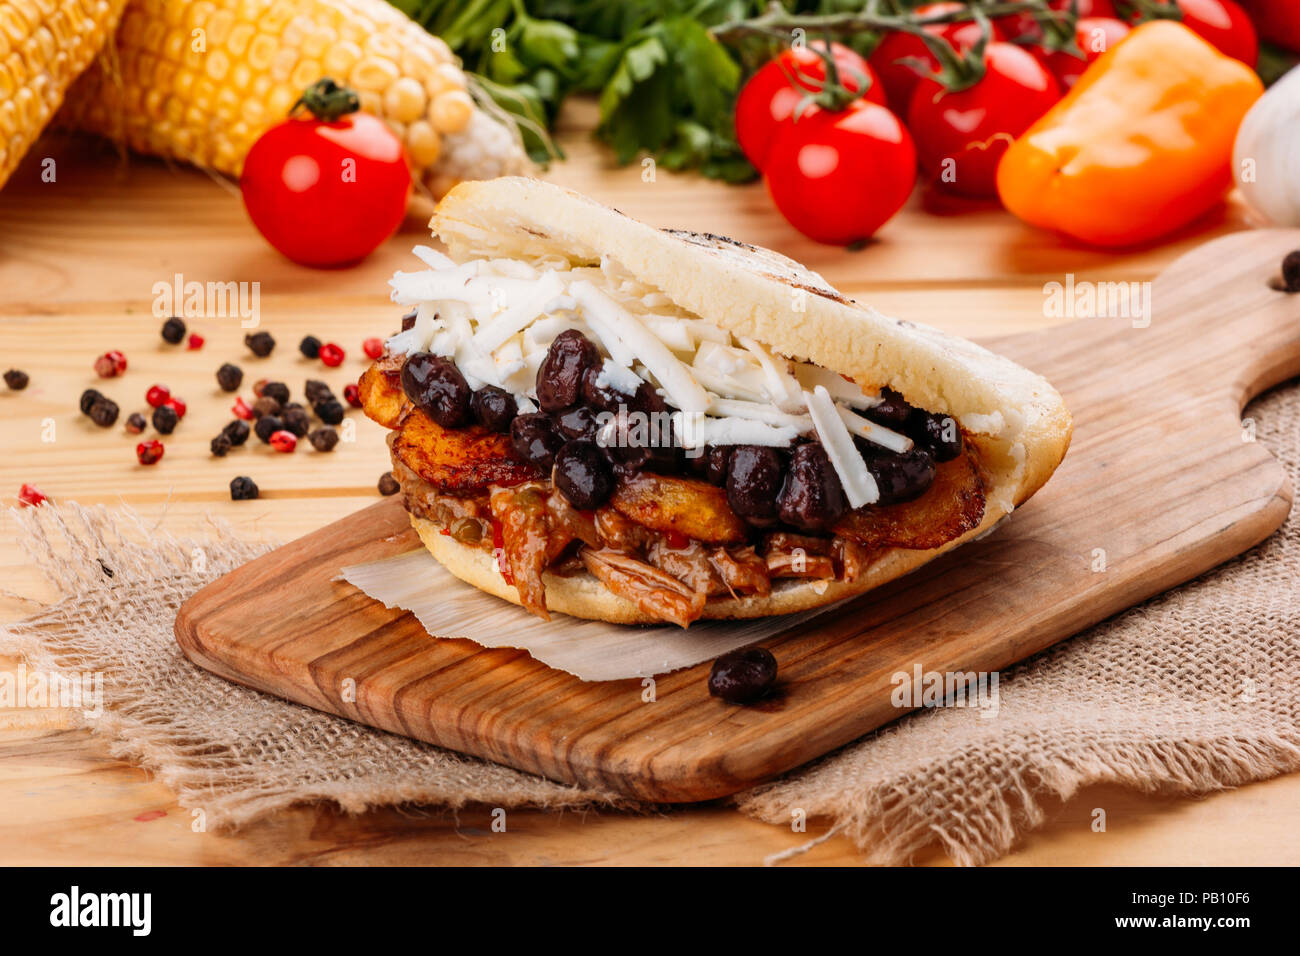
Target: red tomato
x,y
1222,23
838,177
1095,35
1277,21
767,102
961,136
1023,25
326,193
900,79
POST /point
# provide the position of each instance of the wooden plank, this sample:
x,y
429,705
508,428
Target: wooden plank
x,y
77,254
1159,478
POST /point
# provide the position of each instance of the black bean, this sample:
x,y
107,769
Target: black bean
x,y
237,431
583,476
230,377
716,459
88,398
559,377
173,330
743,675
260,343
104,412
277,390
310,346
324,439
493,408
812,499
267,426
316,391
577,422
165,419
388,484
435,385
296,421
243,489
936,434
754,478
899,477
135,423
16,379
534,441
647,400
221,445
892,411
330,411
603,398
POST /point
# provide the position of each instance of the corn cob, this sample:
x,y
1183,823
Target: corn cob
x,y
200,80
44,46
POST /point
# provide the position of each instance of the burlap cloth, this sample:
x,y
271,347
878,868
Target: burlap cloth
x,y
1194,691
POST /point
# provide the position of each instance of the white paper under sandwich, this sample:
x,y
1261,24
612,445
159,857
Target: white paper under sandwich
x,y
589,650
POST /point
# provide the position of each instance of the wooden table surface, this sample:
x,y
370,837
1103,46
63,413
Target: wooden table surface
x,y
79,258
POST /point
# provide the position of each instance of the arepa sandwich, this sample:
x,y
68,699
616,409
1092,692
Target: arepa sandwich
x,y
599,418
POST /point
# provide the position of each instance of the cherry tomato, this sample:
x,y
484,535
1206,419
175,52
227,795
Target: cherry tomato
x,y
767,102
1222,23
1095,35
1023,25
838,177
326,192
961,136
899,78
1276,20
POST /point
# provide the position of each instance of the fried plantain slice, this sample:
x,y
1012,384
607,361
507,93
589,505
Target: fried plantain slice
x,y
457,461
695,509
951,506
380,391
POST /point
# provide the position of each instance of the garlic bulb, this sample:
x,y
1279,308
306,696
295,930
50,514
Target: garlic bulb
x,y
1266,157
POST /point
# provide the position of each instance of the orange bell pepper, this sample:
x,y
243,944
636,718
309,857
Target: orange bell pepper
x,y
1141,146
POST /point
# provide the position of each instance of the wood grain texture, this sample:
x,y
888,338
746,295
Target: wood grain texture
x,y
1159,477
77,259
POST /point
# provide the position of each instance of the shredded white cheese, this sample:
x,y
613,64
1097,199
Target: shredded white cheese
x,y
877,434
498,317
674,377
859,487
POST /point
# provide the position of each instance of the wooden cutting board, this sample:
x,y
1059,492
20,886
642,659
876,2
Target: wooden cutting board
x,y
1162,483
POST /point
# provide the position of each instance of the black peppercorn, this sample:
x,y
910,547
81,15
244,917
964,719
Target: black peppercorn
x,y
1291,271
173,330
230,377
237,431
296,421
135,423
317,391
266,405
242,488
16,379
309,346
267,426
324,439
220,445
88,398
277,390
388,484
260,343
103,412
165,419
330,411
